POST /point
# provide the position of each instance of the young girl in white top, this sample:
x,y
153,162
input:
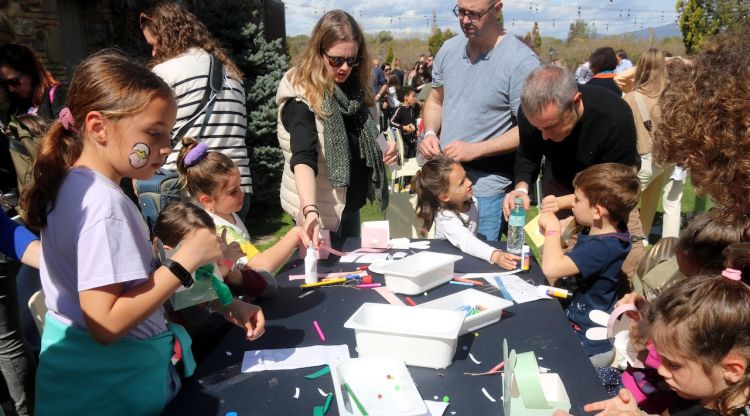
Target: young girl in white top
x,y
213,180
445,198
701,331
106,347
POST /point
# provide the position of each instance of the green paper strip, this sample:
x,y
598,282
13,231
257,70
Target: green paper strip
x,y
329,399
318,411
323,371
356,400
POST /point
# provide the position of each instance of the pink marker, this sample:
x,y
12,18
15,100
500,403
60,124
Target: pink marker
x,y
320,331
368,285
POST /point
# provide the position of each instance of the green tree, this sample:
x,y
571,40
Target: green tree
x,y
701,19
536,37
448,34
579,30
384,37
435,41
269,62
389,55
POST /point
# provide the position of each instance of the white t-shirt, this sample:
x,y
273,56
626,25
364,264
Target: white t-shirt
x,y
461,231
187,75
94,237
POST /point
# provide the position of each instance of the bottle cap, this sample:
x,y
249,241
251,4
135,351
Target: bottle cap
x,y
518,201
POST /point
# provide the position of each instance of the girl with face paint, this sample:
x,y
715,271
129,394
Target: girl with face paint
x,y
105,327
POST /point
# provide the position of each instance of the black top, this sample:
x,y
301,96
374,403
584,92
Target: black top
x,y
48,110
606,83
605,133
403,117
299,120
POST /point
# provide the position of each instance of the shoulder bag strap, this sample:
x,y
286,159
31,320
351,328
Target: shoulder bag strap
x,y
642,109
215,72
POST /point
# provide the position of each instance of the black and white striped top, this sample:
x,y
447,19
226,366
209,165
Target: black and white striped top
x,y
187,75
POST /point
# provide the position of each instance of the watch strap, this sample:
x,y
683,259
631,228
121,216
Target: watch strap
x,y
186,278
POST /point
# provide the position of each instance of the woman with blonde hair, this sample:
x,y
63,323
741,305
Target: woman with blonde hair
x,y
650,81
183,52
332,162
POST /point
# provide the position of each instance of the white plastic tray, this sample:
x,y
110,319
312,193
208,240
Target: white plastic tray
x,y
471,297
420,336
419,272
382,385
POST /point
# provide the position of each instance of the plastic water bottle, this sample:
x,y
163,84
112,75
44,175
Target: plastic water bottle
x,y
516,222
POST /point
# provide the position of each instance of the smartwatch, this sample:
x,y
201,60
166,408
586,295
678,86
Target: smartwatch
x,y
186,278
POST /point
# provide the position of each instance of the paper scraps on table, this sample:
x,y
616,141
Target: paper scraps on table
x,y
388,295
474,359
494,370
322,276
305,294
323,371
361,257
436,408
291,358
322,410
520,290
322,393
484,276
487,395
296,393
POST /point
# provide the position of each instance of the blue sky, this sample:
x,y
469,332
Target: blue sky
x,y
413,18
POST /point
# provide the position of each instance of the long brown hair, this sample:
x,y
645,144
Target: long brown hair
x,y
432,180
311,74
703,319
206,176
23,60
651,73
176,30
106,82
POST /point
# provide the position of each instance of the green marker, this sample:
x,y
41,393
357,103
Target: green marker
x,y
356,400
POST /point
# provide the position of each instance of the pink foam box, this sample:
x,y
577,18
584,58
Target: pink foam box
x,y
375,234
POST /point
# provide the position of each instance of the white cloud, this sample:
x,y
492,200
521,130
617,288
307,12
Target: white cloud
x,y
413,18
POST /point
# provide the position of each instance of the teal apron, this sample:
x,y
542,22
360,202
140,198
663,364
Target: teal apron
x,y
78,375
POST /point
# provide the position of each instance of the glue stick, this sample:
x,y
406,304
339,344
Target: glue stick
x,y
311,266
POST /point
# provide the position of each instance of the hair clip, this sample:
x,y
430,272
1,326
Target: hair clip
x,y
67,120
195,154
732,274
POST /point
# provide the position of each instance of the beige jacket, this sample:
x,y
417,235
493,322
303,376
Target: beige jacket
x,y
330,200
644,138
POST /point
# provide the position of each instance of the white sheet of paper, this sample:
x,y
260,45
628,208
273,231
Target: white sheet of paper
x,y
521,290
291,358
364,257
484,275
436,408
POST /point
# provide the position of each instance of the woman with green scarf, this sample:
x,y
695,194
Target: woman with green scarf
x,y
332,162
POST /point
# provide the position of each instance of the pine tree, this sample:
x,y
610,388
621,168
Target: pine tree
x,y
435,41
536,37
268,62
389,55
578,30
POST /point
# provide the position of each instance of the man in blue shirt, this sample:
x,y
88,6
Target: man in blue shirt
x,y
471,111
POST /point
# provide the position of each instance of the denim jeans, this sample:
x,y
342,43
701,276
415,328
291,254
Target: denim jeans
x,y
16,362
490,216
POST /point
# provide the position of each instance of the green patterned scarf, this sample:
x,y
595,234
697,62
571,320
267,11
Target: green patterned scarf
x,y
337,143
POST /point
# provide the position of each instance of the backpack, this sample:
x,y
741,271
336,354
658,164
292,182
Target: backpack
x,y
22,147
164,187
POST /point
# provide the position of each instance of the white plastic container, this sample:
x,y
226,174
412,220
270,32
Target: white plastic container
x,y
421,337
419,272
471,297
382,385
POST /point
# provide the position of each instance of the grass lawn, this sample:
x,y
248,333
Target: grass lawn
x,y
269,228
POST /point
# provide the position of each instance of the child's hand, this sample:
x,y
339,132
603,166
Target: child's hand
x,y
505,260
549,222
248,317
550,204
199,247
231,251
621,405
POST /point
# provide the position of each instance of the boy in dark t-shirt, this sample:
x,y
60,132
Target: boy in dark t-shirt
x,y
405,119
604,196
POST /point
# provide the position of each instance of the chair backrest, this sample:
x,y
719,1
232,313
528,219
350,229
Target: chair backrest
x,y
38,309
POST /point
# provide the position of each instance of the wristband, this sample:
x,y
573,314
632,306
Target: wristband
x,y
551,233
229,264
430,132
185,277
523,190
241,262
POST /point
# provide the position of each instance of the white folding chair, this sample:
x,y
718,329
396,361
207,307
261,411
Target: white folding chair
x,y
38,309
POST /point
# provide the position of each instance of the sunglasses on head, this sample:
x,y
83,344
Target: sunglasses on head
x,y
12,82
337,61
144,18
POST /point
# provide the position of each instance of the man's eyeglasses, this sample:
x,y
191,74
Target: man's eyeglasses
x,y
337,61
144,18
473,16
12,82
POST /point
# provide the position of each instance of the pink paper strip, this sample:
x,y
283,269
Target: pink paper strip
x,y
388,295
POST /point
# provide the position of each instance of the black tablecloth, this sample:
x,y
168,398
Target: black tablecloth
x,y
539,326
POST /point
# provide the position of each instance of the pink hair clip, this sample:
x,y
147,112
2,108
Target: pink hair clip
x,y
732,274
67,120
195,154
